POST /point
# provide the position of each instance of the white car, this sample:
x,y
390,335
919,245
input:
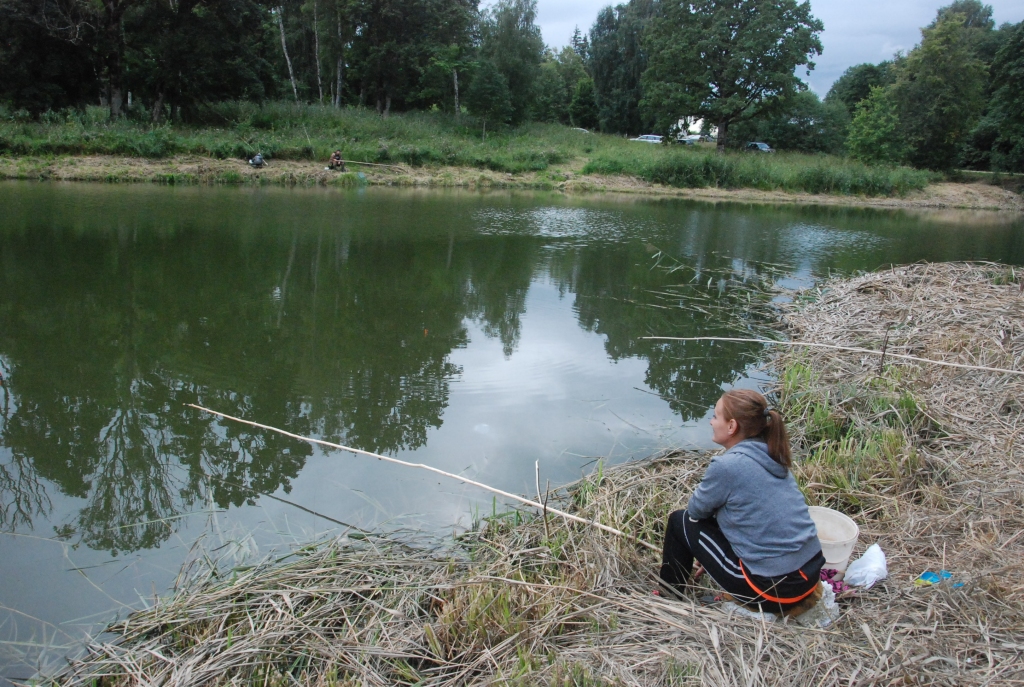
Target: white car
x,y
648,138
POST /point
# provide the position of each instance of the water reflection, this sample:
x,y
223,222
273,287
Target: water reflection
x,y
334,316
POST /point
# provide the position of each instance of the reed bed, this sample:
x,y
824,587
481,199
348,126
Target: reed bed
x,y
924,457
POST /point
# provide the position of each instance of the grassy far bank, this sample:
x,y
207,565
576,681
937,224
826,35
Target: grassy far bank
x,y
925,458
435,140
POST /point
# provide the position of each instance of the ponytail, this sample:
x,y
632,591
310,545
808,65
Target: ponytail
x,y
750,411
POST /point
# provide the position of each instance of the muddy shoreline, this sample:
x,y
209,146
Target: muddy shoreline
x,y
976,196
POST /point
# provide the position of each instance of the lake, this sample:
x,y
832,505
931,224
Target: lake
x,y
482,334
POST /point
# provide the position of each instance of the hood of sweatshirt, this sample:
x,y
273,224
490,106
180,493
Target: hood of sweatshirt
x,y
757,450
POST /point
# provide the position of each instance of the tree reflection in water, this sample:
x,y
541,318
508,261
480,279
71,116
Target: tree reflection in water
x,y
105,335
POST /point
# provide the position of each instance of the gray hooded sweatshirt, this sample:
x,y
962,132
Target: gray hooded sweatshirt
x,y
759,508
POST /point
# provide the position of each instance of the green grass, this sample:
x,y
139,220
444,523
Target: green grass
x,y
858,441
286,131
688,168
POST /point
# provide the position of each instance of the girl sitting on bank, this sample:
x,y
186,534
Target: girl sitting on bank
x,y
747,523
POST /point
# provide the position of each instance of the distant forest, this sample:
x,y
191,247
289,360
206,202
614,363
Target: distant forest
x,y
955,101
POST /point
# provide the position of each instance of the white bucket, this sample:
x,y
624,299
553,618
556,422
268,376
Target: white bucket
x,y
837,534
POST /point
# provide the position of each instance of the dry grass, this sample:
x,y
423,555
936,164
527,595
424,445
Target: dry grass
x,y
924,457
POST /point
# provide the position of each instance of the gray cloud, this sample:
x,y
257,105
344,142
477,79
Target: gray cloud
x,y
855,32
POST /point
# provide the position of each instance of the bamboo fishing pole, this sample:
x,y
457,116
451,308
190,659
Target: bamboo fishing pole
x,y
422,466
852,349
371,164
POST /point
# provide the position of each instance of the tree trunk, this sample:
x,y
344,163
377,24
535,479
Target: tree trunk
x,y
316,47
158,107
455,80
339,82
113,10
339,69
723,130
284,47
387,105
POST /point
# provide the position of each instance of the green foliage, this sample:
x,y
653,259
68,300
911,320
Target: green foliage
x,y
42,72
855,85
725,61
550,103
285,131
802,122
583,109
939,94
488,96
874,132
617,61
1006,115
511,41
791,172
185,53
556,85
978,24
858,441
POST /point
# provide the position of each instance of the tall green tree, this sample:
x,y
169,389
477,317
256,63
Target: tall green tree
x,y
1006,111
583,109
97,24
978,25
726,60
875,130
556,85
939,93
182,55
511,41
42,71
394,43
488,95
551,102
616,62
856,83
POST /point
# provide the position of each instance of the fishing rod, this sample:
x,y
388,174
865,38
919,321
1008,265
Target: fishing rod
x,y
371,164
290,503
429,468
852,349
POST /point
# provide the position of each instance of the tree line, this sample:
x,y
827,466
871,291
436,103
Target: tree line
x,y
955,100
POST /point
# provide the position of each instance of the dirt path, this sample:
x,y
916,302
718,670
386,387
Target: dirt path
x,y
194,169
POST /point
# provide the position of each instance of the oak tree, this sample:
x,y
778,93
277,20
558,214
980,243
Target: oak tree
x,y
726,60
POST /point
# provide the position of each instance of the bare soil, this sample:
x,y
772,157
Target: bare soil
x,y
975,196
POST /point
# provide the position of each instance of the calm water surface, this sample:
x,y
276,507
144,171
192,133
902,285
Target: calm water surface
x,y
475,333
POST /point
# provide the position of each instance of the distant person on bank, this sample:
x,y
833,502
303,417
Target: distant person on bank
x,y
336,163
747,523
257,160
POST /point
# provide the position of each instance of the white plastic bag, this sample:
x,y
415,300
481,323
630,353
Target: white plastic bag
x,y
867,569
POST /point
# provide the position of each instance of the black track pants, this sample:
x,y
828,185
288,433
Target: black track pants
x,y
686,539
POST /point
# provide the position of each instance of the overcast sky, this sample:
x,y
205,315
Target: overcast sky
x,y
855,32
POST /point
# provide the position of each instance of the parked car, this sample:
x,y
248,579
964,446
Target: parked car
x,y
689,139
648,138
758,147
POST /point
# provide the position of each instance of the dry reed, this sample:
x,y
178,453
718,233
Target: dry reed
x,y
924,457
